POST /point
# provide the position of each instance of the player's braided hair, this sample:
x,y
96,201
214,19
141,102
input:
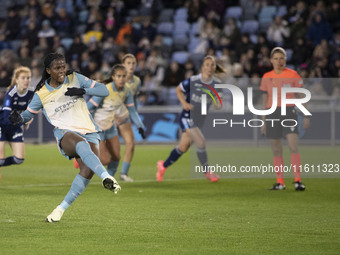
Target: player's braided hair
x,y
114,70
47,62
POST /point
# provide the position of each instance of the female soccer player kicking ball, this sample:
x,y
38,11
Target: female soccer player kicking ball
x,y
60,95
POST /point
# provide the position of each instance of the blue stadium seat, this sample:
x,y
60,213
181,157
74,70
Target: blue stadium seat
x,y
165,28
180,43
267,13
253,38
16,44
67,42
181,14
264,26
194,42
233,12
168,41
133,13
250,27
289,53
180,56
250,13
197,58
181,27
194,29
166,15
82,16
144,11
282,10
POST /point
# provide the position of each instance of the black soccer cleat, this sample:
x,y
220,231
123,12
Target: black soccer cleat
x,y
110,183
299,186
278,186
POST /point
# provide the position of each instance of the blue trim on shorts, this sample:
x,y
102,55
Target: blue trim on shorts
x,y
185,122
59,134
108,134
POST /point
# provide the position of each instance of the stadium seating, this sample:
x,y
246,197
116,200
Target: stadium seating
x,y
166,15
67,42
197,59
181,42
165,28
167,41
194,42
253,38
289,53
181,14
264,26
194,29
267,14
181,27
233,12
82,16
250,27
180,56
282,10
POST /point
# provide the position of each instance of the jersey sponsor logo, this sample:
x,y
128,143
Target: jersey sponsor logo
x,y
66,106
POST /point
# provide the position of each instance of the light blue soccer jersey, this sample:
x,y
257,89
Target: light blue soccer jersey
x,y
118,105
67,112
134,85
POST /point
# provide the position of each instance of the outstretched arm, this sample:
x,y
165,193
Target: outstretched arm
x,y
92,87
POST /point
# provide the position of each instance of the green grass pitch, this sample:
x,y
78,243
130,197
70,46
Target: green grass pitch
x,y
178,216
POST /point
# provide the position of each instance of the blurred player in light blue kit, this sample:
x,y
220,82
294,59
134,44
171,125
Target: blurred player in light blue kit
x,y
116,108
60,95
133,82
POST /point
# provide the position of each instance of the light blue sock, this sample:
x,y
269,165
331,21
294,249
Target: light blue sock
x,y
78,185
125,168
91,160
112,167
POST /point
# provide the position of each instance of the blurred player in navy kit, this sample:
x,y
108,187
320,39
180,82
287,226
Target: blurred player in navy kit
x,y
191,131
16,98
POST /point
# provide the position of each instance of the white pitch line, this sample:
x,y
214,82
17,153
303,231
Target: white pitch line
x,y
95,183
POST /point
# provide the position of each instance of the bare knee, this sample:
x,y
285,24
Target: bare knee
x,y
116,157
105,160
130,145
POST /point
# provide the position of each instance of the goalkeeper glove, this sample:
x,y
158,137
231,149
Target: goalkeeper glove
x,y
15,118
75,92
141,132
